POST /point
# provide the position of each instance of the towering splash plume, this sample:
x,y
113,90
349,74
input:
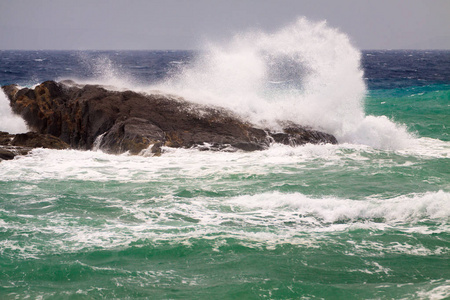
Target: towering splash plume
x,y
10,122
307,73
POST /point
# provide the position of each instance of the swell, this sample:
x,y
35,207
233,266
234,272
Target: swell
x,y
178,272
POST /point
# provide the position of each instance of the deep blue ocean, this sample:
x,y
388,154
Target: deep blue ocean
x,y
368,218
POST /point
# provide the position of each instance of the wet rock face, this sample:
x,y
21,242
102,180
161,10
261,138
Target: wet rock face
x,y
134,134
38,140
12,145
129,121
7,154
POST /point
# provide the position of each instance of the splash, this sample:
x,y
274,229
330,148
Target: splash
x,y
103,71
307,72
10,122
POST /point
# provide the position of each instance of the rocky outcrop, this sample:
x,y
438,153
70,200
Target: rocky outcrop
x,y
116,122
12,145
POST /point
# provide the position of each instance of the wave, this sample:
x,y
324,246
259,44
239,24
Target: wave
x,y
268,219
410,208
306,72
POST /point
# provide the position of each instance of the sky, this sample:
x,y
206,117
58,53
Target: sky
x,y
185,24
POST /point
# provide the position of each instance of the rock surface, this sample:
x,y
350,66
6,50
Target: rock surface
x,y
12,145
91,116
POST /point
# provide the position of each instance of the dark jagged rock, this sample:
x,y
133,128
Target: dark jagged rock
x,y
124,121
38,140
134,134
6,154
9,152
12,145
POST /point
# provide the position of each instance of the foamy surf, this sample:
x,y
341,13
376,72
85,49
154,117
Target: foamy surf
x,y
43,164
260,220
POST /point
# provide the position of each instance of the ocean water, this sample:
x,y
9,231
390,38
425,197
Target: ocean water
x,y
365,219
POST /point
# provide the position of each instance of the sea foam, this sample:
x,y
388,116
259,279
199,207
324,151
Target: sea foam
x,y
9,121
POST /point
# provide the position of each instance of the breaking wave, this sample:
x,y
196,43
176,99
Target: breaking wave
x,y
9,121
306,72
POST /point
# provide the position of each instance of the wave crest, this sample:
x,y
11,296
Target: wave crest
x,y
306,72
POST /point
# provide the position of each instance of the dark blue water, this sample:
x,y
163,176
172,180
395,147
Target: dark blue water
x,y
31,67
383,69
396,69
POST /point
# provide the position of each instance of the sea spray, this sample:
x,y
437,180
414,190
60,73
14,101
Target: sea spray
x,y
103,70
306,72
9,121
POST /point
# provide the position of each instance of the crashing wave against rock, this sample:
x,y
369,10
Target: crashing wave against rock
x,y
132,122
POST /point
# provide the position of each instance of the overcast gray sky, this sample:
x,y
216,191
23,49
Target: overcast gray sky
x,y
183,24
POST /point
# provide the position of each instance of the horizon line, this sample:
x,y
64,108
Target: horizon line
x,y
166,50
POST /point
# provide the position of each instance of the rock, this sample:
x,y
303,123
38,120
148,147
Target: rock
x,y
128,121
5,138
156,149
9,152
38,140
135,134
12,145
6,154
296,135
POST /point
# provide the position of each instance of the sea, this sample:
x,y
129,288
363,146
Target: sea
x,y
368,218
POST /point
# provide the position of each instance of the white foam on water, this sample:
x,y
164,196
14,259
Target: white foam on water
x,y
264,219
42,164
403,209
379,132
258,221
440,289
427,148
9,121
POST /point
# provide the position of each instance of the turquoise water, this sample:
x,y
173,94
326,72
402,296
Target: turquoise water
x,y
365,219
321,221
425,109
